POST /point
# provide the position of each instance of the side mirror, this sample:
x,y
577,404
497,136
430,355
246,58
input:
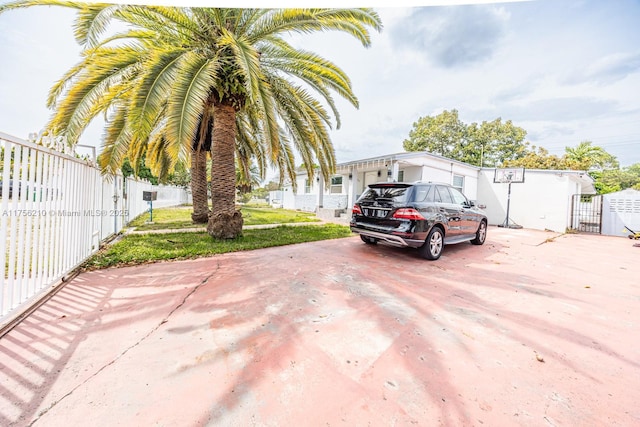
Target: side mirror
x,y
472,203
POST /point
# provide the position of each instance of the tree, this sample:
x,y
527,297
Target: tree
x,y
140,171
247,179
588,157
273,186
201,145
537,158
612,180
495,142
185,65
486,144
443,134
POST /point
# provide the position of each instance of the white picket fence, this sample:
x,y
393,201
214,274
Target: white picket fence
x,y
55,210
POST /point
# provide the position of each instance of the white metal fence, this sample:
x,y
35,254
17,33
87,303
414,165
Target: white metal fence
x,y
55,210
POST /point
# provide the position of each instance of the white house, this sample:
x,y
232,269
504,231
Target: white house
x,y
351,178
542,201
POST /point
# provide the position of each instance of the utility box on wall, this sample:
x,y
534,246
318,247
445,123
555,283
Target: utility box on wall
x,y
149,196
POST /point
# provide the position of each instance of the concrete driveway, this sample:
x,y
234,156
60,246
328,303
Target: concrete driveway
x,y
531,329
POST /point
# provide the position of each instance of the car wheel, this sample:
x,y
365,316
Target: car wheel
x,y
432,248
481,234
368,240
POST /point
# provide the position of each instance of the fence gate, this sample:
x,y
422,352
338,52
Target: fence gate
x,y
586,213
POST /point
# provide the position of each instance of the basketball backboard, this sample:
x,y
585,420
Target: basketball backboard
x,y
509,175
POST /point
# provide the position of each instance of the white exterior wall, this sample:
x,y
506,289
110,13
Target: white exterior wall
x,y
415,167
445,172
288,198
542,202
412,173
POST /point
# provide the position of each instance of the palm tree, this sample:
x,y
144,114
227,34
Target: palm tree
x,y
586,156
199,187
172,67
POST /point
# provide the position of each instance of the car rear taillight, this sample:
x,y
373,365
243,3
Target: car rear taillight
x,y
356,210
407,213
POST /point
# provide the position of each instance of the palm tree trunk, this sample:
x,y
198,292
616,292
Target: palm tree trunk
x,y
224,222
200,214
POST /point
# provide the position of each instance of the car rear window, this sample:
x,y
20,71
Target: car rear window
x,y
395,194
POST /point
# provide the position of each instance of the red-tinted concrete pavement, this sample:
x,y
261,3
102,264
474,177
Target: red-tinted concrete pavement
x,y
517,332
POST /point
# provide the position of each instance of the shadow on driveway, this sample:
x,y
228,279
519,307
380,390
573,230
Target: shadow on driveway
x,y
530,329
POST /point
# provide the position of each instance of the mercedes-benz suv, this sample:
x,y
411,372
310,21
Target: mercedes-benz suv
x,y
422,215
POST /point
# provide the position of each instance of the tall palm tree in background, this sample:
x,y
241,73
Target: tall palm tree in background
x,y
173,68
586,156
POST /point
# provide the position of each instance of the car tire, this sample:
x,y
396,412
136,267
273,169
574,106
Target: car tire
x,y
433,245
368,240
481,234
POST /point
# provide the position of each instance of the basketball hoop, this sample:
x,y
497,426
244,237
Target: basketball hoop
x,y
509,176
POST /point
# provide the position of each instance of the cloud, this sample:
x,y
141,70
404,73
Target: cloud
x,y
452,36
561,109
608,69
518,91
550,132
614,67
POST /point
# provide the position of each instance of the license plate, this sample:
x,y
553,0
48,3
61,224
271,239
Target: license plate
x,y
378,213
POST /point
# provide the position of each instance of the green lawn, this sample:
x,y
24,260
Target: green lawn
x,y
135,249
180,217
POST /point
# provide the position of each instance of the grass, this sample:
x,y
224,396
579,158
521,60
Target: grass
x,y
136,249
180,217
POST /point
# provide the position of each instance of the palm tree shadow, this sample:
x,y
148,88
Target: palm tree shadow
x,y
41,351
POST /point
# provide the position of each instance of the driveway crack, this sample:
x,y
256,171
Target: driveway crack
x,y
125,351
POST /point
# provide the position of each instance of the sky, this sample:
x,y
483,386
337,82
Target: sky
x,y
564,70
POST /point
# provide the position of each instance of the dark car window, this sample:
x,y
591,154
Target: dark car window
x,y
423,194
458,197
445,196
389,194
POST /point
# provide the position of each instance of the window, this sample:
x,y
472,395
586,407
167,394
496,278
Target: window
x,y
458,182
422,192
307,186
458,197
445,196
400,176
385,193
336,185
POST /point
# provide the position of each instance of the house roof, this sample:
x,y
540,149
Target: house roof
x,y
386,160
408,157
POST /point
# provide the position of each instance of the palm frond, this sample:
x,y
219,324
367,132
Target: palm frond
x,y
115,142
351,21
153,89
92,21
246,58
76,110
189,93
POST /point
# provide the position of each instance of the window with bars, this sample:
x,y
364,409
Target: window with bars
x,y
307,186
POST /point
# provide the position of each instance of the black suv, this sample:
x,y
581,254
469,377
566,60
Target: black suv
x,y
421,215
